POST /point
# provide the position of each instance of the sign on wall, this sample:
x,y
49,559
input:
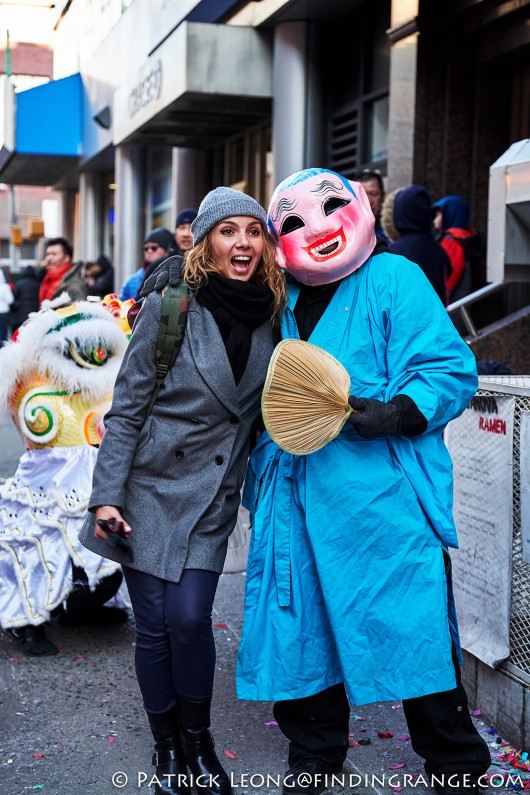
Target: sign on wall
x,y
481,446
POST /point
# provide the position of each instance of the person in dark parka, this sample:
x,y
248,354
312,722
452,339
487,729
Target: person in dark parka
x,y
407,220
100,277
26,295
174,478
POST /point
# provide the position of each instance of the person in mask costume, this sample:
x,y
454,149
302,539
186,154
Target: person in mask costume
x,y
349,597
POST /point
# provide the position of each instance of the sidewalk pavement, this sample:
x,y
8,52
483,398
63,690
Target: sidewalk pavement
x,y
74,723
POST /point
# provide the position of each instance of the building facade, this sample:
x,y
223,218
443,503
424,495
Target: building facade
x,y
175,98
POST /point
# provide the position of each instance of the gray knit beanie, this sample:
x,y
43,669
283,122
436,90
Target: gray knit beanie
x,y
223,203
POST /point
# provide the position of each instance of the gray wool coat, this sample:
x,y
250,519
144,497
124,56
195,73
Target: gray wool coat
x,y
176,477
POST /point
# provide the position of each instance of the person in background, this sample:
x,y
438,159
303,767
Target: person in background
x,y
26,295
6,300
451,225
372,183
158,245
183,233
173,479
62,275
407,222
99,276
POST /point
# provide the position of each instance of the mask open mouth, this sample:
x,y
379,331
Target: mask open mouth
x,y
327,247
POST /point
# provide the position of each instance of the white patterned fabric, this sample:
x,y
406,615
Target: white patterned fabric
x,y
42,508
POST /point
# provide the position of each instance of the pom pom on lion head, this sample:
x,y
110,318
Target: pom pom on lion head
x,y
56,379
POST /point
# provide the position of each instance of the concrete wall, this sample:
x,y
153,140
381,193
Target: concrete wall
x,y
503,699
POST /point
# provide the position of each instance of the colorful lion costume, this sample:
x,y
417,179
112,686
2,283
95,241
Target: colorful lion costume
x,y
56,381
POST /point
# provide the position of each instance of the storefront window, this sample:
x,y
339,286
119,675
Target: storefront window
x,y
377,115
159,184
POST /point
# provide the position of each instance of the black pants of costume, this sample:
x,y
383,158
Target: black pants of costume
x,y
440,728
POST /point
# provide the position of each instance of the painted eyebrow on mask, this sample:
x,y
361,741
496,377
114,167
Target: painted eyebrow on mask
x,y
283,206
326,186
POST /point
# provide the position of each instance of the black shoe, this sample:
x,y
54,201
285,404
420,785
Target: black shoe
x,y
456,784
95,616
33,641
171,771
199,748
199,751
310,776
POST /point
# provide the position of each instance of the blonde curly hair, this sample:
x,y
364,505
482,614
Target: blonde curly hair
x,y
199,262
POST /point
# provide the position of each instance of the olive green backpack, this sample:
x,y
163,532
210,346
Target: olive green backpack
x,y
175,302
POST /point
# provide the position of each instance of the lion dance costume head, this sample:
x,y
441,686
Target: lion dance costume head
x,y
58,373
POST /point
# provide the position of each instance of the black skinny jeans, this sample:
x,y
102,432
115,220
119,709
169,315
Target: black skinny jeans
x,y
175,647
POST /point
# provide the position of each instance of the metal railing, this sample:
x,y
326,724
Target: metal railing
x,y
462,304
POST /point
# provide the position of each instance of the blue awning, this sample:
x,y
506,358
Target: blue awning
x,y
48,133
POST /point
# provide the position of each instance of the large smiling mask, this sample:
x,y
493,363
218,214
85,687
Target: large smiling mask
x,y
322,224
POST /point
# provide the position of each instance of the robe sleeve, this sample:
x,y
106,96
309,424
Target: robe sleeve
x,y
426,357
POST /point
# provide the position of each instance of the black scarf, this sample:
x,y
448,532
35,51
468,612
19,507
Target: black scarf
x,y
237,307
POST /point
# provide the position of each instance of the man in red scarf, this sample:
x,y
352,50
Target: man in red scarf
x,y
61,274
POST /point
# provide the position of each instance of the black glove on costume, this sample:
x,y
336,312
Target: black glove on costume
x,y
168,272
377,419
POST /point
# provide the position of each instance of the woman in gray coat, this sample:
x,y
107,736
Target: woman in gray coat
x,y
174,479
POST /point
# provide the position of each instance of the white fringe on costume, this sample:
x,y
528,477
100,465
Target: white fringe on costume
x,y
42,509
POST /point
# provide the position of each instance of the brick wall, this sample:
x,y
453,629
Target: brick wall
x,y
28,59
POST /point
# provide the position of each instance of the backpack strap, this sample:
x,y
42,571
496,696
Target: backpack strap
x,y
175,302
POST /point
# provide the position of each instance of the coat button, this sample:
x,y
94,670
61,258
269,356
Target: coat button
x,y
234,421
179,454
219,460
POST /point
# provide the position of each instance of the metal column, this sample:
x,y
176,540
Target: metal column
x,y
129,217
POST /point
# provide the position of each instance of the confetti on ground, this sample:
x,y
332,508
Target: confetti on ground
x,y
476,713
385,735
112,739
38,786
358,717
79,657
270,723
15,659
396,706
230,755
221,626
397,789
397,767
404,737
37,756
512,762
10,761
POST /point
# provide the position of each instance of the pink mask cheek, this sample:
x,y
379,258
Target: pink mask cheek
x,y
293,251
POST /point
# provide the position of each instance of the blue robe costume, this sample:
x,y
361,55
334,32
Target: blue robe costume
x,y
346,573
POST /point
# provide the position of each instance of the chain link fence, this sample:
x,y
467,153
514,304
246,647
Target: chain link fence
x,y
519,386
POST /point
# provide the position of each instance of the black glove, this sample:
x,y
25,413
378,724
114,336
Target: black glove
x,y
168,272
376,419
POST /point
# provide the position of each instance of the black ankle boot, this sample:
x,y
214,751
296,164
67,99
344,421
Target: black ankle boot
x,y
168,758
199,750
